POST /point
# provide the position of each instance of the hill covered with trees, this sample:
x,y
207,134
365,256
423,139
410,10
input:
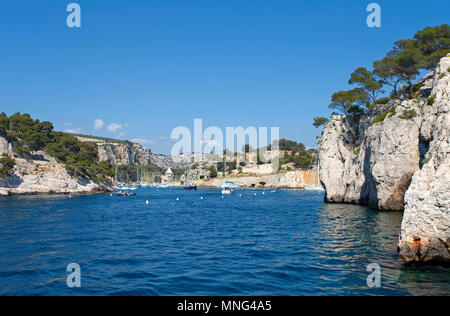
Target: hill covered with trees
x,y
28,135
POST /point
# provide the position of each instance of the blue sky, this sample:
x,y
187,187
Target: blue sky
x,y
150,66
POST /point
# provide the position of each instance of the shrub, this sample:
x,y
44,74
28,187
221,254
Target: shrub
x,y
426,160
431,99
383,100
212,172
442,75
382,116
6,165
357,150
408,114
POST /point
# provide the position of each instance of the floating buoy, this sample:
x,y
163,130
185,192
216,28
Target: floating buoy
x,y
110,195
201,198
255,194
240,195
178,199
147,202
264,193
70,196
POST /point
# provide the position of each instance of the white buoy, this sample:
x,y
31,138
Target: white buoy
x,y
147,202
255,194
264,193
240,195
222,196
178,199
110,194
201,198
70,196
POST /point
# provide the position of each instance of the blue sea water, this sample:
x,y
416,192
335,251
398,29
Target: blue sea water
x,y
277,243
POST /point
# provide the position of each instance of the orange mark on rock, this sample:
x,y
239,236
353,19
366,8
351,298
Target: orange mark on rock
x,y
416,243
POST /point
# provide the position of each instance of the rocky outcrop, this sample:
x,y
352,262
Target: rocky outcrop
x,y
5,147
376,167
396,158
425,232
45,176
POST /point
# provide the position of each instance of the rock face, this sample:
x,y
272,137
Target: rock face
x,y
5,147
425,234
375,167
45,176
127,153
396,158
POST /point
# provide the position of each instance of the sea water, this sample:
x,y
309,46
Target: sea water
x,y
283,242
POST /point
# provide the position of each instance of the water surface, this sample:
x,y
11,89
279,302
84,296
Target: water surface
x,y
277,243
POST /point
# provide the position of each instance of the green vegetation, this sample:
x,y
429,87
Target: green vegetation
x,y
320,121
6,165
426,160
366,80
28,135
442,75
213,172
401,64
357,150
297,154
431,99
382,116
408,114
384,100
349,102
434,43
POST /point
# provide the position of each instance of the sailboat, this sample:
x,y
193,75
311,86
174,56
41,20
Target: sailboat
x,y
228,186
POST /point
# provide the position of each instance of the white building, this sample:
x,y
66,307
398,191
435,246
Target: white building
x,y
169,175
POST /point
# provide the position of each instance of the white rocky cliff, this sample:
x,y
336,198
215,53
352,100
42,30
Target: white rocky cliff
x,y
43,175
425,233
396,158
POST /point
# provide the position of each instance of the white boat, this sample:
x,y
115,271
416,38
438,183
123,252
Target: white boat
x,y
227,191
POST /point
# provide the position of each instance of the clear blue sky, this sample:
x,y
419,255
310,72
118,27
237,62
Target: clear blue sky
x,y
149,66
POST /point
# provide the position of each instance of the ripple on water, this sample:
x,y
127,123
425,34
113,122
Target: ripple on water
x,y
283,243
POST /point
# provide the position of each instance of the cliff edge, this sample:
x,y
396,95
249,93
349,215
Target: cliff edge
x,y
395,158
425,232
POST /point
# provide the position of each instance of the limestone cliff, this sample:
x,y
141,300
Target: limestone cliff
x,y
128,153
396,158
425,233
43,175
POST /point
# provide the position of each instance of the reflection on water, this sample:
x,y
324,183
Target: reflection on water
x,y
281,243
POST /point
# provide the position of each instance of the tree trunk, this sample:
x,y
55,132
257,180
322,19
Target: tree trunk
x,y
411,91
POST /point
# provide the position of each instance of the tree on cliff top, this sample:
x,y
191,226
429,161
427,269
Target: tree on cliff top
x,y
408,60
366,81
434,43
349,102
384,69
320,121
4,124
